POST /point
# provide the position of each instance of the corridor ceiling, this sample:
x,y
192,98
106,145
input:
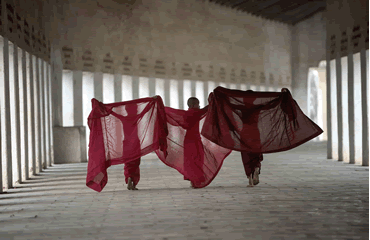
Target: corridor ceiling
x,y
286,11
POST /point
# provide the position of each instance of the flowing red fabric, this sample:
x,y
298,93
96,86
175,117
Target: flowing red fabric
x,y
194,156
257,122
123,132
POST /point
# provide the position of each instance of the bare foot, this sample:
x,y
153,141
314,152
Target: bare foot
x,y
250,178
130,184
256,178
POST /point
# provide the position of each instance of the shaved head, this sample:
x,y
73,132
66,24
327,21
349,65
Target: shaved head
x,y
193,102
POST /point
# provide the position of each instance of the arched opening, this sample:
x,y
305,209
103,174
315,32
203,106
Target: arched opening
x,y
316,102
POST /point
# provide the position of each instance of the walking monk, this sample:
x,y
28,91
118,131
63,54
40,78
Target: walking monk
x,y
251,136
195,157
121,133
193,147
131,140
255,123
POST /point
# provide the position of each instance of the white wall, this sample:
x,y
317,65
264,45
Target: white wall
x,y
198,33
308,48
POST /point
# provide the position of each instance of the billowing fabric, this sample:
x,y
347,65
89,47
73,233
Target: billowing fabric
x,y
194,156
257,122
123,132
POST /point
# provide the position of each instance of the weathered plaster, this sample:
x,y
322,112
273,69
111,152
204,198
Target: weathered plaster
x,y
308,49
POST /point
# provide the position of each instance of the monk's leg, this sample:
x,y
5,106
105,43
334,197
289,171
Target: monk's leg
x,y
252,166
257,168
132,174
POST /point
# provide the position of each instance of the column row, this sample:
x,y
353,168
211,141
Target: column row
x,y
78,88
25,115
77,85
348,108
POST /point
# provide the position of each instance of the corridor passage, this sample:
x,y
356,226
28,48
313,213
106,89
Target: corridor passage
x,y
301,195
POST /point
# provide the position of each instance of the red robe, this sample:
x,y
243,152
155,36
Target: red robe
x,y
121,133
250,134
194,156
193,148
257,122
254,122
130,141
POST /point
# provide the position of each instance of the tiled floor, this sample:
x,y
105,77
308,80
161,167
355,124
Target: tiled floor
x,y
302,195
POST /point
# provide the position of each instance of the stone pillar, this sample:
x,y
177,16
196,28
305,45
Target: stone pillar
x,y
25,112
135,87
368,90
344,97
328,106
98,86
338,68
47,113
152,86
322,103
205,93
351,107
31,112
22,113
17,114
5,113
1,111
186,92
77,98
56,87
181,94
174,96
88,94
108,88
333,76
42,114
1,157
199,92
126,88
211,85
37,80
3,147
358,108
6,150
364,104
143,87
192,87
159,88
167,99
118,87
51,116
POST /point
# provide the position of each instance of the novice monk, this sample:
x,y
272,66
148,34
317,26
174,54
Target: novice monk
x,y
193,147
131,141
131,169
251,134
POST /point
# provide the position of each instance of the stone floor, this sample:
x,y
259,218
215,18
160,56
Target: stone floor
x,y
302,195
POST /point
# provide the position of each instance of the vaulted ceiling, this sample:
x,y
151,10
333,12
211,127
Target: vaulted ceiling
x,y
286,11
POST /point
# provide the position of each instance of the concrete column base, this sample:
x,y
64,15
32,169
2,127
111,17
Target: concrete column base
x,y
69,144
